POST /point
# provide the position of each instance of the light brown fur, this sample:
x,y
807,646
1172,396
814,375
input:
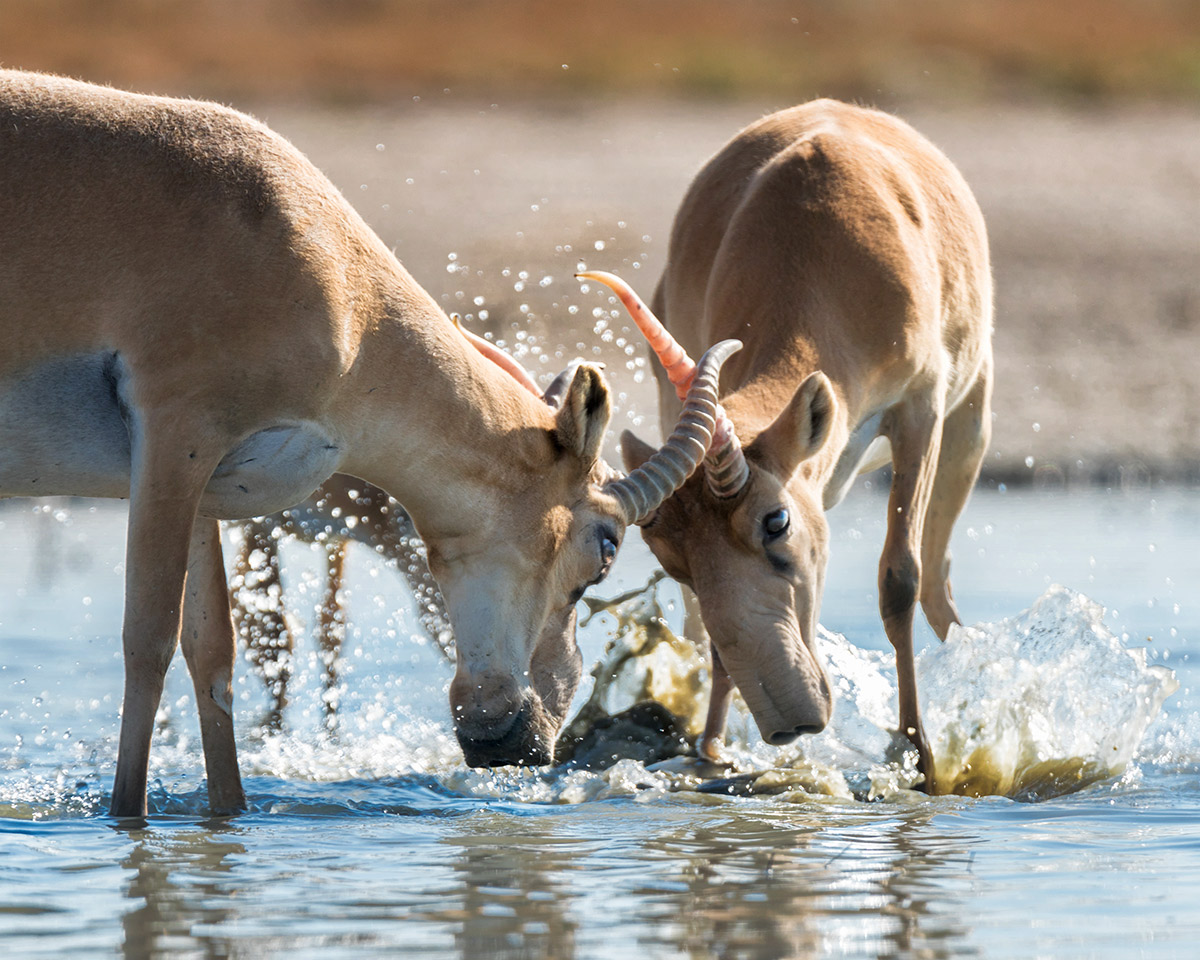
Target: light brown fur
x,y
196,319
850,257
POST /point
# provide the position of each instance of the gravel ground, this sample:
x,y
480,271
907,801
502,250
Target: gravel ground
x,y
1094,218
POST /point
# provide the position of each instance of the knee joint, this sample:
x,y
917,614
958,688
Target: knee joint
x,y
898,585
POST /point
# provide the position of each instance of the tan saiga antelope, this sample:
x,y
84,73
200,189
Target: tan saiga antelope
x,y
194,318
343,509
849,255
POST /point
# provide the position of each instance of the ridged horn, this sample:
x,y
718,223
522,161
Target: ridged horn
x,y
725,468
645,489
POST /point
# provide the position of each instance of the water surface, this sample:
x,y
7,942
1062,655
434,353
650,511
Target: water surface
x,y
379,842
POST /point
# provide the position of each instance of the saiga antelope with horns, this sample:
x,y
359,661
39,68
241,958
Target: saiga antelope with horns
x,y
849,255
197,320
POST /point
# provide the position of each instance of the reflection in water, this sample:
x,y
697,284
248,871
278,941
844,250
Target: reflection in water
x,y
348,851
514,903
760,890
822,882
181,882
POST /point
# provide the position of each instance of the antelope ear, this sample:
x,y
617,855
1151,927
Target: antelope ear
x,y
554,393
634,451
802,428
583,416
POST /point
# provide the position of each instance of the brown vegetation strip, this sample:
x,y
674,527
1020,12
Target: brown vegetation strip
x,y
360,49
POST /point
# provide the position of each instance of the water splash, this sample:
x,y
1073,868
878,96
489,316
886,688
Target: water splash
x,y
1040,704
1031,707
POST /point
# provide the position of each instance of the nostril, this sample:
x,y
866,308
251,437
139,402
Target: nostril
x,y
781,737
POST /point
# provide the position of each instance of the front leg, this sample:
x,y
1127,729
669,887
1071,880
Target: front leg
x,y
914,429
210,650
709,746
721,691
167,482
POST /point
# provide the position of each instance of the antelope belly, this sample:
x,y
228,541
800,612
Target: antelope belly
x,y
62,432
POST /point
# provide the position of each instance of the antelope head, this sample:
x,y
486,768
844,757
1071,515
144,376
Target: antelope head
x,y
512,599
750,539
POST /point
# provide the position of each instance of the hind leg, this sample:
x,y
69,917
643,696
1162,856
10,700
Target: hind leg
x,y
258,614
965,435
210,650
331,625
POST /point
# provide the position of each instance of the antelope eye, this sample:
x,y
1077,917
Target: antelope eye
x,y
608,551
776,523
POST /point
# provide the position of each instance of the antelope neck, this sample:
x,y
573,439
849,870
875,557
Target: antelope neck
x,y
478,434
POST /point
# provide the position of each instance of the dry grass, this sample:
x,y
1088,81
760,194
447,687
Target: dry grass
x,y
372,49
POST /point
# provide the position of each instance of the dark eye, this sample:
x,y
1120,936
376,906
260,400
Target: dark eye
x,y
608,552
775,523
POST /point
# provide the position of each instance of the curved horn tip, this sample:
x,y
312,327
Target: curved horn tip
x,y
610,280
719,352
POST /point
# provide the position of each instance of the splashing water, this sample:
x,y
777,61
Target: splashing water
x,y
1040,704
1032,707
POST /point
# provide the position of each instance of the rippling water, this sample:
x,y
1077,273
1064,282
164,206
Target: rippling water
x,y
377,841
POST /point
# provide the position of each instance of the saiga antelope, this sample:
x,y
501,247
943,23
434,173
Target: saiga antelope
x,y
194,318
342,509
850,257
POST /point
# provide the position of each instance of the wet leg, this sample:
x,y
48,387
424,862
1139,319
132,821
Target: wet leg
x,y
965,436
914,429
721,692
258,614
167,481
709,746
209,648
331,626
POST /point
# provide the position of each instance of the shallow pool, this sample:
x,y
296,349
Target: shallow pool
x,y
377,842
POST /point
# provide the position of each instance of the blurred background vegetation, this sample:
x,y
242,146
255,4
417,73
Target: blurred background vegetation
x,y
495,144
879,50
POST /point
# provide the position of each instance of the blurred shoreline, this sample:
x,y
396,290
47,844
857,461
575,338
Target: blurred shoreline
x,y
1093,216
496,146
